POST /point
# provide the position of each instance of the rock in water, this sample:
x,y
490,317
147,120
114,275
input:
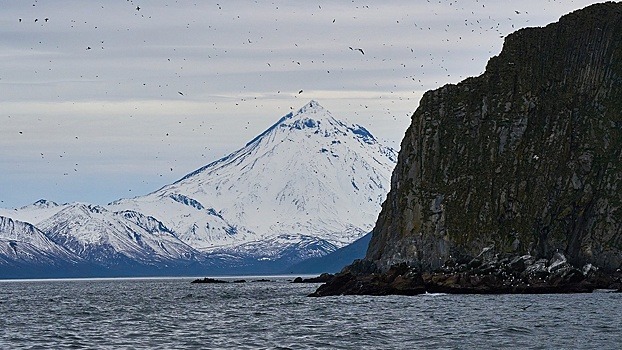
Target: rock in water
x,y
208,280
526,158
515,175
323,278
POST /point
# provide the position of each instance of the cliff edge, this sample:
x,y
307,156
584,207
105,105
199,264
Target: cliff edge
x,y
526,158
522,161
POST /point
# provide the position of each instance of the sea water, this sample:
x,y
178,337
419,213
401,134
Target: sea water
x,y
175,314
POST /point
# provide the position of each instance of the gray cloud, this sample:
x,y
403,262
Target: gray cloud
x,y
90,106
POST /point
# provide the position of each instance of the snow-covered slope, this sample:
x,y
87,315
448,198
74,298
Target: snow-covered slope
x,y
23,244
333,262
111,238
303,188
309,175
35,212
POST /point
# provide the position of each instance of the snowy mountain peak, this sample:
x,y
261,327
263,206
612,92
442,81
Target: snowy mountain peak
x,y
306,186
14,229
86,208
319,120
41,203
97,234
22,243
309,174
310,116
312,107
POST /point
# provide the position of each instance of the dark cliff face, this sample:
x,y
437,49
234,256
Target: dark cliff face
x,y
525,158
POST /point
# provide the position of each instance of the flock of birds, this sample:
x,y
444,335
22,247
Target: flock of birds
x,y
420,69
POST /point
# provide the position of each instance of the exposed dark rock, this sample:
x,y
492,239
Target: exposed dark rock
x,y
239,281
510,181
361,267
323,278
262,280
498,276
522,262
525,159
208,280
399,279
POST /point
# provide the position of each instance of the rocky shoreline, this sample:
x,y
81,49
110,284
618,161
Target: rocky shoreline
x,y
498,275
522,159
323,278
208,280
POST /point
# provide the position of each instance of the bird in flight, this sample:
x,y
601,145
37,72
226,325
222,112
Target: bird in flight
x,y
359,49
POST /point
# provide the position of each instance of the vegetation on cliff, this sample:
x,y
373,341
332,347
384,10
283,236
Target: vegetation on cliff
x,y
510,182
526,158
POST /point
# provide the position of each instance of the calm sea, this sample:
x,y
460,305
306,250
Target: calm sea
x,y
174,314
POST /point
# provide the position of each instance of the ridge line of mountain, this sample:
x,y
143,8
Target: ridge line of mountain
x,y
244,217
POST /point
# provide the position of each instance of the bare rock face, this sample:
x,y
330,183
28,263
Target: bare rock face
x,y
517,275
525,159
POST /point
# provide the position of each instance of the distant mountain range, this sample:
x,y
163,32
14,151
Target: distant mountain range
x,y
307,186
335,261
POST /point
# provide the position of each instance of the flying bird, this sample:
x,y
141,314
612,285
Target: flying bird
x,y
359,49
181,93
299,92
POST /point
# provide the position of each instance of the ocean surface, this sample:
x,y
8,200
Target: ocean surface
x,y
175,314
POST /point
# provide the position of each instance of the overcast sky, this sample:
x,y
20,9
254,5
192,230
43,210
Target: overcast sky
x,y
91,104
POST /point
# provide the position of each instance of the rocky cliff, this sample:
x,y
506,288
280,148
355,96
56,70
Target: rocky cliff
x,y
524,159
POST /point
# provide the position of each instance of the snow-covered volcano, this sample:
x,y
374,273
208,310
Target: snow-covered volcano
x,y
305,187
308,175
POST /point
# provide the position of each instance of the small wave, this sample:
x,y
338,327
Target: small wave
x,y
518,330
125,314
604,328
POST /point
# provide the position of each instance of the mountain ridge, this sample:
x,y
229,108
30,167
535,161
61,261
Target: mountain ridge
x,y
306,186
247,176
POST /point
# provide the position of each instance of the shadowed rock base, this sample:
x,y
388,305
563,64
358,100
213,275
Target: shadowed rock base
x,y
517,275
523,159
208,280
323,278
